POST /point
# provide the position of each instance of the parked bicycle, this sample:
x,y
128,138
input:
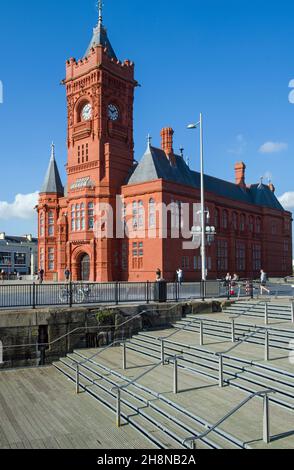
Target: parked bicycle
x,y
80,293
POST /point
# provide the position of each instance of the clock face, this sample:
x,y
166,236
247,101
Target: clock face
x,y
87,112
113,112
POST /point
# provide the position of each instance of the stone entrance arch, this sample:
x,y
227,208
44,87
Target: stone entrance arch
x,y
81,264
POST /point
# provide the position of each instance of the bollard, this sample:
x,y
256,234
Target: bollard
x,y
266,420
162,352
233,331
266,313
118,410
175,376
78,379
201,333
292,312
124,356
221,371
266,346
193,445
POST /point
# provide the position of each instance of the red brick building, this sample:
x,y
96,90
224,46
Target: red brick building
x,y
253,230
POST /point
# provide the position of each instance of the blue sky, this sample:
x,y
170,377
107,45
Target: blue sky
x,y
232,60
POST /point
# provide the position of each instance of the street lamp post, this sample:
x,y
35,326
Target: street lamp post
x,y
203,229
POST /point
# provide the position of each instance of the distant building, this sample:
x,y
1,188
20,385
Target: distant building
x,y
253,231
18,254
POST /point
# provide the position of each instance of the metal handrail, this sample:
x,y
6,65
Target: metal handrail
x,y
196,320
115,342
241,341
228,415
77,329
248,310
121,387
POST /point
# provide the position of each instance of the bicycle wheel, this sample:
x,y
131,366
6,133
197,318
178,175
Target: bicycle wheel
x,y
79,296
63,295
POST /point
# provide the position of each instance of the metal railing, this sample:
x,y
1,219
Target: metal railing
x,y
70,294
221,354
266,418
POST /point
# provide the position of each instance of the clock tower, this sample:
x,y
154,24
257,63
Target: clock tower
x,y
100,97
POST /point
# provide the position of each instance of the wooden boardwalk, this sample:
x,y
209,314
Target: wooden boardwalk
x,y
40,410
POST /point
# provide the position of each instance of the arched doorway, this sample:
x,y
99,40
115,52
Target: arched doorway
x,y
85,267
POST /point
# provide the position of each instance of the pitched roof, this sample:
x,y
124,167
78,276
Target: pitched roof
x,y
100,38
52,183
155,165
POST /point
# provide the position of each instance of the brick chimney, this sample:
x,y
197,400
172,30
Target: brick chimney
x,y
240,168
167,143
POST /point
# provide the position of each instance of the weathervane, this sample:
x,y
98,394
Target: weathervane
x,y
149,140
100,12
53,151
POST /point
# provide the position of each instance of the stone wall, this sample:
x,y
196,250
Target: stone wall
x,y
38,337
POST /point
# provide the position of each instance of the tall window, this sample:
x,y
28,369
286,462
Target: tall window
x,y
137,255
135,215
78,217
258,225
175,214
216,218
152,214
240,256
185,262
242,223
140,214
42,224
91,215
256,257
222,255
73,218
51,224
251,224
235,221
225,220
42,258
83,217
51,259
124,256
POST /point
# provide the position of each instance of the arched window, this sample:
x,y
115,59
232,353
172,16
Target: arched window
x,y
225,220
73,218
152,214
42,224
235,221
242,223
140,214
51,224
216,218
251,224
91,215
135,215
83,217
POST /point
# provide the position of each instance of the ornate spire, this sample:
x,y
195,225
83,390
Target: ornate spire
x,y
100,37
52,151
100,12
149,140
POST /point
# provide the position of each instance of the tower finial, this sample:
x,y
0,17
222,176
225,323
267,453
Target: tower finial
x,y
149,140
100,12
52,151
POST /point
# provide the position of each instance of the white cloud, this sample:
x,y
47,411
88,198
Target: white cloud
x,y
239,147
273,147
287,200
21,208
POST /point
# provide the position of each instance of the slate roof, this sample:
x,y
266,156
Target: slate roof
x,y
155,165
14,239
52,183
100,38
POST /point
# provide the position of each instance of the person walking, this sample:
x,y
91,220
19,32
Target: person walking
x,y
180,276
67,275
263,282
158,275
41,276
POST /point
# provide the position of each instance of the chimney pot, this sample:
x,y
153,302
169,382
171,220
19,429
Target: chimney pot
x,y
240,168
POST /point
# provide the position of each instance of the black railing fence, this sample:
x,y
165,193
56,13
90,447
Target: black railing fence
x,y
70,294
